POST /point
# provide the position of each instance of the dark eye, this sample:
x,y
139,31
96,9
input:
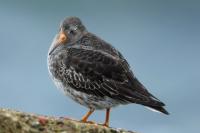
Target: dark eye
x,y
66,27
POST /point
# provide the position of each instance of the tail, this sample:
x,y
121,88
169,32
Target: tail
x,y
158,109
140,95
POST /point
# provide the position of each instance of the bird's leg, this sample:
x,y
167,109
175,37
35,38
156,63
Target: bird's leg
x,y
85,117
106,123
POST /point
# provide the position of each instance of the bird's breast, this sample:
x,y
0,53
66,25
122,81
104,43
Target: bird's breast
x,y
56,62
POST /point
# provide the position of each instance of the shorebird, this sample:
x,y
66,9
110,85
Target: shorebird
x,y
93,73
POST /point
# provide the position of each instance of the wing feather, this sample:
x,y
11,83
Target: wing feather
x,y
101,74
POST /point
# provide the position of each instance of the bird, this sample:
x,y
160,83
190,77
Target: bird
x,y
93,73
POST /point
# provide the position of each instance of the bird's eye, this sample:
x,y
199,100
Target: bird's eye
x,y
66,27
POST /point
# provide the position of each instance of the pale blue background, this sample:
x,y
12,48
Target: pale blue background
x,y
160,39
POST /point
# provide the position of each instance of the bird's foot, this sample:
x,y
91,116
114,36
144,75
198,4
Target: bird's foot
x,y
90,122
104,124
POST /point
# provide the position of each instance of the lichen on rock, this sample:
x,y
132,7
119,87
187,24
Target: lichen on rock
x,y
12,121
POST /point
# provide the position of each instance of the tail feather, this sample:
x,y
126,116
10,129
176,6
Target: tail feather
x,y
159,109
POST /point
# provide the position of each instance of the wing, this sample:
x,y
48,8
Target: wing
x,y
101,74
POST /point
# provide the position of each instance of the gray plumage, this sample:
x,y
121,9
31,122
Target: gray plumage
x,y
93,73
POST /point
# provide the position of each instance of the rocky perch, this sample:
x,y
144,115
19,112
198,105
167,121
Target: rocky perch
x,y
19,122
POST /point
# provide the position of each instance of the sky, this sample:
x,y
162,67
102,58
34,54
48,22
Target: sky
x,y
160,40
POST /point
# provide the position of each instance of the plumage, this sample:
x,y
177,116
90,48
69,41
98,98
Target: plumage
x,y
94,73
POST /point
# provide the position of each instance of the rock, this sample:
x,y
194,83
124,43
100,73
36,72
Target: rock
x,y
12,121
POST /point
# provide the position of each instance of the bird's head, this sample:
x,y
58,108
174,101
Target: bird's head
x,y
70,31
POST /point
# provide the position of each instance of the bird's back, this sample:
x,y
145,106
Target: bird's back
x,y
124,78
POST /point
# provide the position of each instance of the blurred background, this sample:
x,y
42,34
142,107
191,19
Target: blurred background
x,y
160,40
